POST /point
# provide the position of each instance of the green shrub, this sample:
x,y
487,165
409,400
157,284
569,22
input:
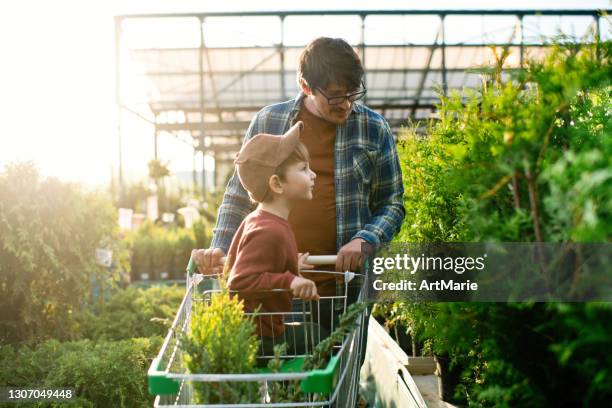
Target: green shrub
x,y
184,243
431,205
142,250
103,374
203,233
157,249
49,231
221,340
131,313
523,160
162,255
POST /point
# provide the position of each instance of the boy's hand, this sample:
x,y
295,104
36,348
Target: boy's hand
x,y
208,260
304,288
302,261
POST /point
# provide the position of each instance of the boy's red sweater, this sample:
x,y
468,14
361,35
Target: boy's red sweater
x,y
263,256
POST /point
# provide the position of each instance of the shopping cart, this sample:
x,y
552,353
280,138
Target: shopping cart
x,y
335,385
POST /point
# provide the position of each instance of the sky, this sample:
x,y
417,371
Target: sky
x,y
57,83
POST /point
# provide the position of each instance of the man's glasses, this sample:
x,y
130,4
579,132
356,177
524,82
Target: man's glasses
x,y
337,100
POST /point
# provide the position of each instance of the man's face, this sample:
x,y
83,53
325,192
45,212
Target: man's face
x,y
337,114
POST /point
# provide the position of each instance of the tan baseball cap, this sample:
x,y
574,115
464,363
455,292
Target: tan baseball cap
x,y
261,155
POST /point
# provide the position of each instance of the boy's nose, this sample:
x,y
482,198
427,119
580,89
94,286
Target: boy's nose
x,y
313,175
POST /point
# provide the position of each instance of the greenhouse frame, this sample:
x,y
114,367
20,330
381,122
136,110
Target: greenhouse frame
x,y
202,76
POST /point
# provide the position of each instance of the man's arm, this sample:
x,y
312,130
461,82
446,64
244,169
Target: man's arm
x,y
235,205
386,197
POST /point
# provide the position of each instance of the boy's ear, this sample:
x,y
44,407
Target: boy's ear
x,y
275,184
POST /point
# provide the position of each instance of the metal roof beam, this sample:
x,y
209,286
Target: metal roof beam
x,y
426,71
449,12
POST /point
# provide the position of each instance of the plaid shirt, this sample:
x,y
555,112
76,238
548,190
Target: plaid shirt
x,y
369,189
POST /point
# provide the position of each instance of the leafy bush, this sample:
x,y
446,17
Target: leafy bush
x,y
49,231
135,196
131,313
157,249
162,255
524,354
524,160
104,374
431,205
221,340
142,250
578,203
203,233
184,243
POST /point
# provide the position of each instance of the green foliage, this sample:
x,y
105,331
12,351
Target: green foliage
x,y
203,233
49,231
158,169
525,354
522,160
527,159
134,196
323,350
431,205
157,249
579,200
582,344
108,367
412,317
170,197
104,374
283,391
221,340
132,312
290,391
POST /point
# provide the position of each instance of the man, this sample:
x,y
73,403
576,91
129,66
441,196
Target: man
x,y
358,193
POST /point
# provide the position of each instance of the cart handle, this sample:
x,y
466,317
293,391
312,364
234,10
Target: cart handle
x,y
312,259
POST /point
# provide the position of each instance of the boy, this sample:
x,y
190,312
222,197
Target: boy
x,y
263,255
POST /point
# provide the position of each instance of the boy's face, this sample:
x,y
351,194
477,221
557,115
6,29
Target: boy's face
x,y
337,114
299,182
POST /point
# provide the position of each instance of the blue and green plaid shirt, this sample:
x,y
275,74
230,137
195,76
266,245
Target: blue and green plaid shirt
x,y
369,188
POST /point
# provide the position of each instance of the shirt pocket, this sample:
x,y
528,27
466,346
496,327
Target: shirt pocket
x,y
364,161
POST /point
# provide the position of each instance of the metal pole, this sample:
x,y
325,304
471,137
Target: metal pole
x,y
193,170
444,79
417,12
597,36
282,59
201,72
155,144
597,18
363,54
118,22
421,85
522,49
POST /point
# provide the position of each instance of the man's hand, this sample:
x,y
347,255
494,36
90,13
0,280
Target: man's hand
x,y
208,260
302,261
304,288
349,256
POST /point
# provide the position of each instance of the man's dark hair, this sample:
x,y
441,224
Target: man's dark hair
x,y
330,60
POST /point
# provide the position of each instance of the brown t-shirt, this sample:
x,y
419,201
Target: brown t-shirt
x,y
314,221
263,256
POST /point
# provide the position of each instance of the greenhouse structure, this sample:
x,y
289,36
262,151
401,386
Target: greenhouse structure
x,y
200,77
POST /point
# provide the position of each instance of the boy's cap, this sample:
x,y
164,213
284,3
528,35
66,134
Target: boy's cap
x,y
261,155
